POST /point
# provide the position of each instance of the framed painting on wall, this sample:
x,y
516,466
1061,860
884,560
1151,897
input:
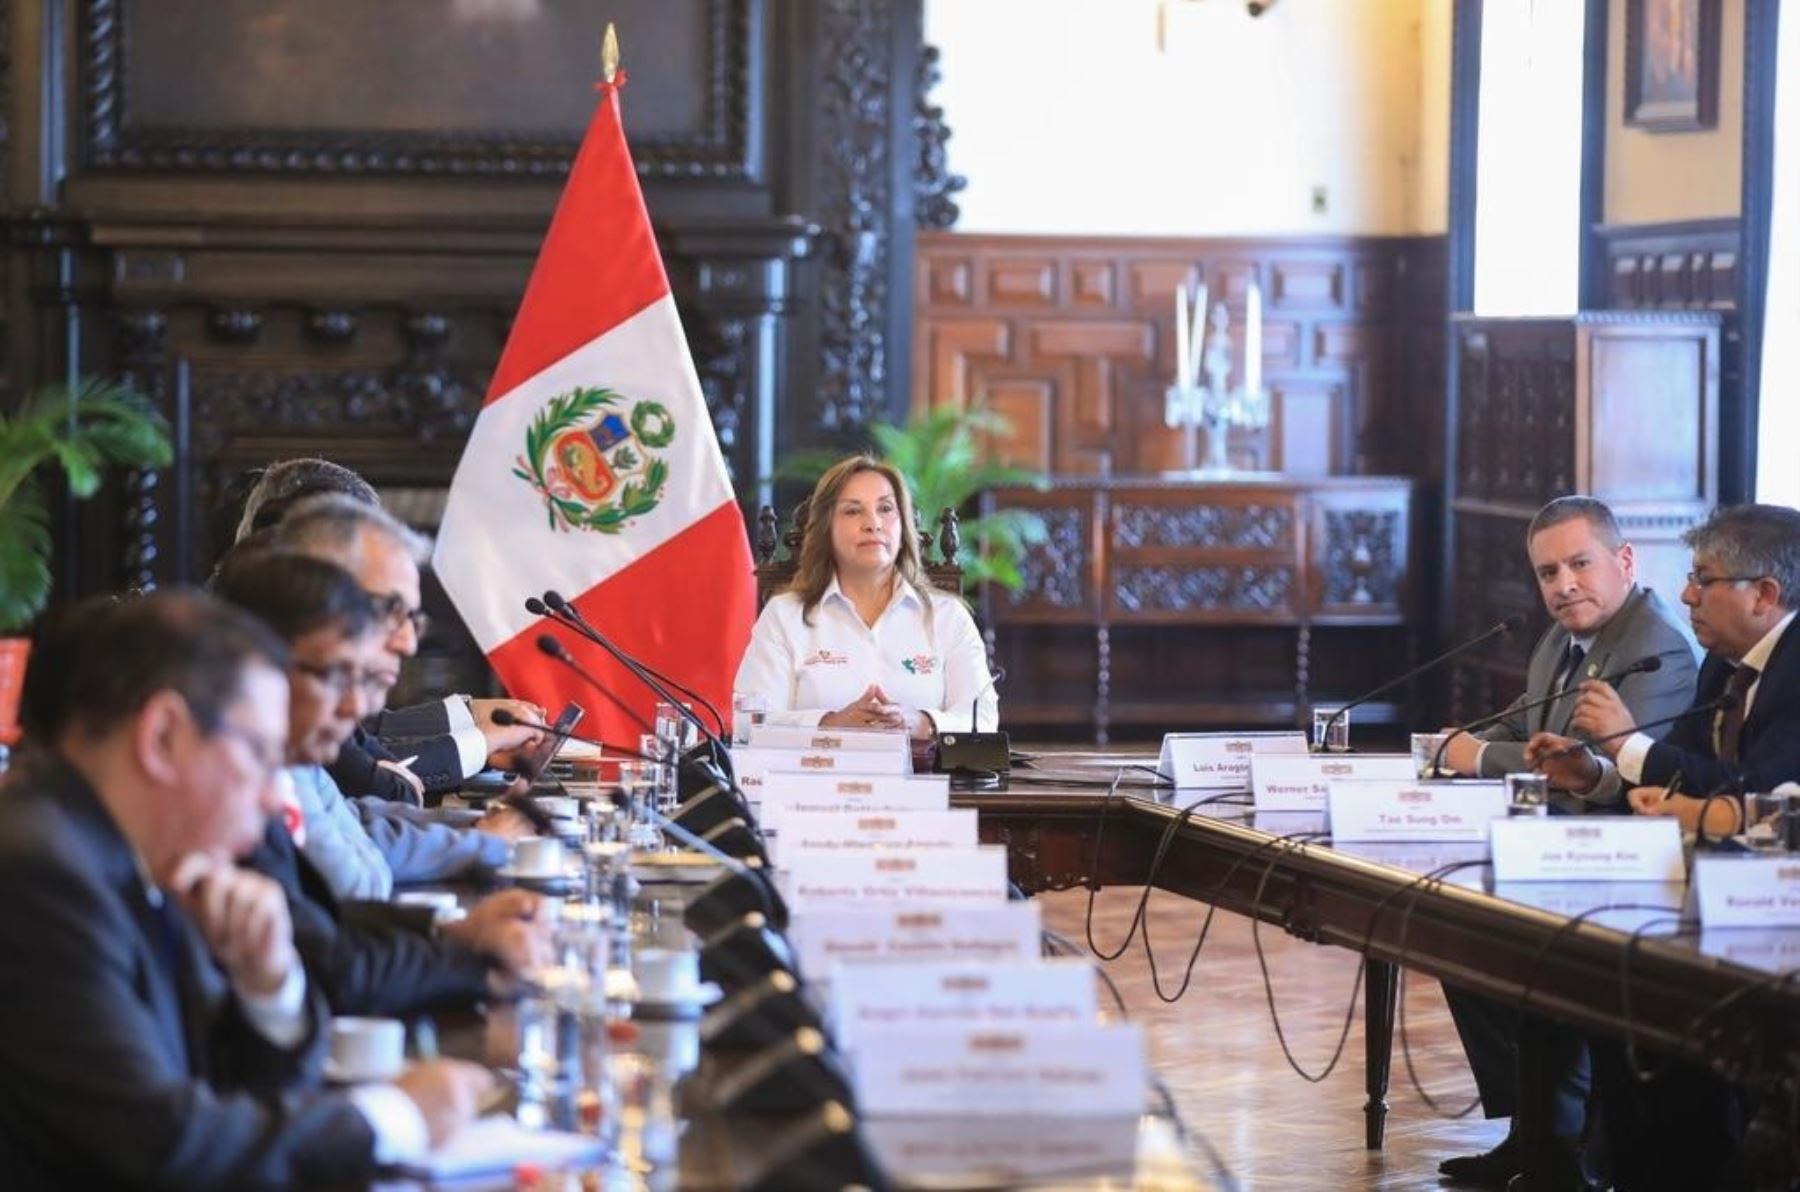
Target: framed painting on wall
x,y
1671,64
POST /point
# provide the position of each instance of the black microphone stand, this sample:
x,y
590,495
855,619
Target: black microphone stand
x,y
1500,630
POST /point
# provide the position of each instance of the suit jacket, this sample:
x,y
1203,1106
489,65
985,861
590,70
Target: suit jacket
x,y
357,772
124,1060
422,730
1768,750
1643,627
410,723
368,958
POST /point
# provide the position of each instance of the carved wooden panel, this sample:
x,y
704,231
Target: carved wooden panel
x,y
1346,353
1691,265
1619,405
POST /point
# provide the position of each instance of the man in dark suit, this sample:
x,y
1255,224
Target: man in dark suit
x,y
156,1025
448,740
1681,1128
1601,623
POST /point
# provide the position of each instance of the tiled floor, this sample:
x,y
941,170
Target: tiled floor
x,y
1218,1053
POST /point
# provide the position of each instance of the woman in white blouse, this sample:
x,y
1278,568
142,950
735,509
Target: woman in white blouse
x,y
861,639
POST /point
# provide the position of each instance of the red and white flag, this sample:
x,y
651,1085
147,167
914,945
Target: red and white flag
x,y
593,468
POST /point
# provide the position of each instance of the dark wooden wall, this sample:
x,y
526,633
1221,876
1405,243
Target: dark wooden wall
x,y
304,227
1073,339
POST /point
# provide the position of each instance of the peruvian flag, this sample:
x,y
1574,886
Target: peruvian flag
x,y
593,468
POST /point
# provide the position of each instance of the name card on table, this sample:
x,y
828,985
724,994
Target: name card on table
x,y
1771,949
1586,848
1415,810
784,794
1083,1071
1302,782
1748,891
890,879
814,738
1220,761
873,831
991,932
1023,1152
961,994
758,763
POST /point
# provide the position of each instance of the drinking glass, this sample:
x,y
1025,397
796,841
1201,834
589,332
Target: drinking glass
x,y
1331,731
1527,794
1425,749
748,709
1772,822
639,780
674,728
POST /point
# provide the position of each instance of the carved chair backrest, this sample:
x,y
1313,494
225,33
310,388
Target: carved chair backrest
x,y
778,555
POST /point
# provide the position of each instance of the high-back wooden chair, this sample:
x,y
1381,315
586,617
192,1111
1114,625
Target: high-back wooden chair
x,y
778,554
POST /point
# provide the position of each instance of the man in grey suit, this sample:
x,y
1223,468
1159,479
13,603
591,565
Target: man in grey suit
x,y
1602,622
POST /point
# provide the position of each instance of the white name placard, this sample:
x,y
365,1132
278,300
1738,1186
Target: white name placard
x,y
989,932
759,763
1748,891
1302,782
1586,848
1772,949
786,793
968,995
1415,810
1220,761
1085,1071
1018,1152
869,831
831,740
960,875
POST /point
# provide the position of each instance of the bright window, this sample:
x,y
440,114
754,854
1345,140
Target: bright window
x,y
1528,159
1778,401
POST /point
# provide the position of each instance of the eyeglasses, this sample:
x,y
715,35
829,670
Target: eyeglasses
x,y
391,607
268,758
340,677
1703,582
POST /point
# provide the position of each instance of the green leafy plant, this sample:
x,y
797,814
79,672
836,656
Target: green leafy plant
x,y
96,425
939,451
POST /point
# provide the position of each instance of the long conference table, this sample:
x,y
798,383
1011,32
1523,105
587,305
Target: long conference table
x,y
1621,958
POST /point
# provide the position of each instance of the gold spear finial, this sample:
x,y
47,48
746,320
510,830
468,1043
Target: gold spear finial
x,y
609,53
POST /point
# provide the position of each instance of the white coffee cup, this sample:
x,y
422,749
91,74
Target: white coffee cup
x,y
367,1049
538,856
667,975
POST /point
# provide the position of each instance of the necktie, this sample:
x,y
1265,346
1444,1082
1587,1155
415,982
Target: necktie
x,y
1572,660
1731,716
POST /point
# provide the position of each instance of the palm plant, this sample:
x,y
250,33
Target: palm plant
x,y
939,452
85,429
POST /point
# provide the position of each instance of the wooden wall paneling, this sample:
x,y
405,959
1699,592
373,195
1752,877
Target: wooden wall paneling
x,y
1336,314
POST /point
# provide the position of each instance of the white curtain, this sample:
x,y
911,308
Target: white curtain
x,y
1778,407
1528,159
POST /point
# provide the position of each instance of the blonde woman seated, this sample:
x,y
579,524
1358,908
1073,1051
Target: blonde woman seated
x,y
861,639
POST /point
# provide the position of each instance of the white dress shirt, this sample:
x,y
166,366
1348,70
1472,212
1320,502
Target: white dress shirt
x,y
928,657
1637,746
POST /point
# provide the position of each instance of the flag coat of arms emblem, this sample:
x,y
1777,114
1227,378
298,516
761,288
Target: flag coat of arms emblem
x,y
593,468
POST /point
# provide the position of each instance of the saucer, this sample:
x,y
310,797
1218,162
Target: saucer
x,y
551,880
679,1003
336,1075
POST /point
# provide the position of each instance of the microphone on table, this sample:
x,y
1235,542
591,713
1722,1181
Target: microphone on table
x,y
695,773
729,896
1643,666
975,760
1724,703
566,614
1504,627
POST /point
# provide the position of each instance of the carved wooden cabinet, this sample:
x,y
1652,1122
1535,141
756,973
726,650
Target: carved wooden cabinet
x,y
1160,604
1620,405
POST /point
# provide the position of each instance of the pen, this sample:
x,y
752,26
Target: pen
x,y
407,761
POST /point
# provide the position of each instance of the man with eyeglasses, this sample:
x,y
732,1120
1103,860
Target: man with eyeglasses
x,y
1681,1127
1740,597
337,673
157,1028
443,742
383,556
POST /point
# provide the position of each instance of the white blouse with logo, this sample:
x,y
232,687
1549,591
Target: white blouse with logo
x,y
930,659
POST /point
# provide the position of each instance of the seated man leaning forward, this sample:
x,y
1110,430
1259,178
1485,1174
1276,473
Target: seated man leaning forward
x,y
157,1028
861,639
1744,734
1602,621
